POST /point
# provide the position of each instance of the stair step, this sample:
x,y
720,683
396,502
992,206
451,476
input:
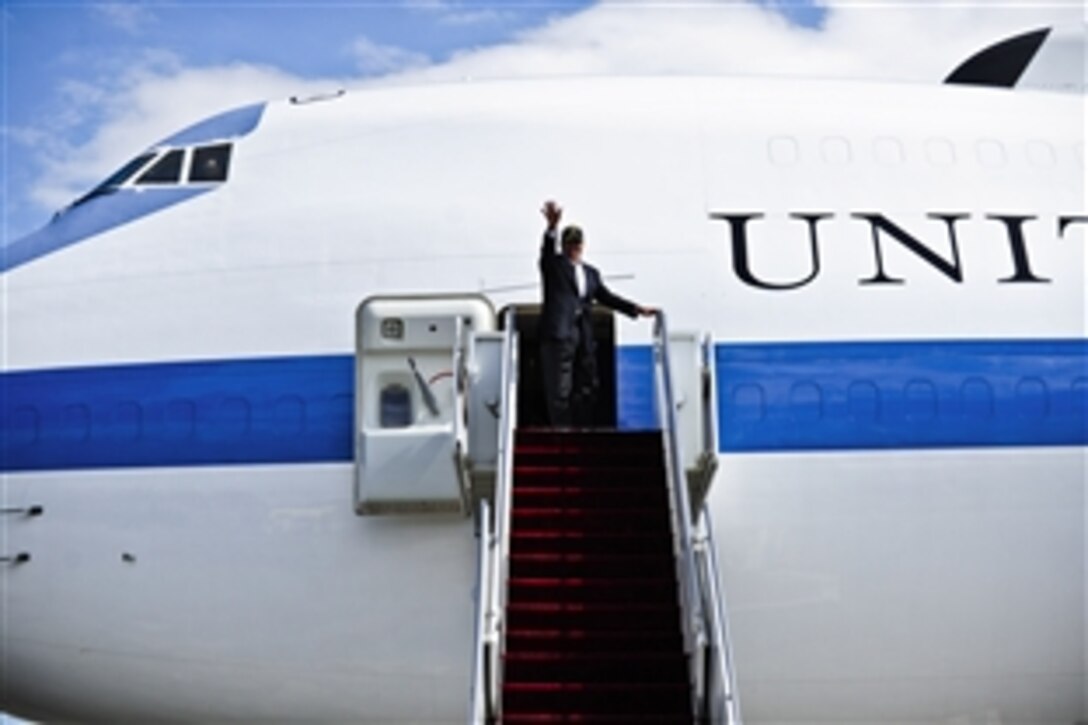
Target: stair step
x,y
582,718
595,667
610,566
596,460
632,698
643,641
571,589
598,616
590,542
559,474
559,495
587,440
592,616
635,521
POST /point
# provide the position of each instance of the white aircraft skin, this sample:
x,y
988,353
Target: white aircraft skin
x,y
891,582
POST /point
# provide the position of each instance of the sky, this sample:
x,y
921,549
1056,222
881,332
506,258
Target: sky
x,y
86,86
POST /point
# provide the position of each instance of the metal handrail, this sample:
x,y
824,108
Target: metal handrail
x,y
723,702
491,636
460,402
690,596
706,628
504,493
480,704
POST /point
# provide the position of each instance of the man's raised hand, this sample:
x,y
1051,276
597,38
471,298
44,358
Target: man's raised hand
x,y
552,213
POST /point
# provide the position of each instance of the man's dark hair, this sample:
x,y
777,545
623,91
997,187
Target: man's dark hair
x,y
572,237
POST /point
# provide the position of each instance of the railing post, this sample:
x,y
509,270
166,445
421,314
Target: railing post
x,y
480,709
495,560
460,433
721,639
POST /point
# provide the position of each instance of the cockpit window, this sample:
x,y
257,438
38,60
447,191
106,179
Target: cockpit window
x,y
166,170
125,172
210,163
116,178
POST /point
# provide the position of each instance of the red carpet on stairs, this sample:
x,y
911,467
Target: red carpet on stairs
x,y
593,621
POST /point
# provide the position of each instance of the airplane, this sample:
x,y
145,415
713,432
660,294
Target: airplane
x,y
893,279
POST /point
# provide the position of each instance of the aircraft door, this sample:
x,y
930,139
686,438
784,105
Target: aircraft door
x,y
411,438
532,411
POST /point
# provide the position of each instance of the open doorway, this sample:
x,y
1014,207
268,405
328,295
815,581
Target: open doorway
x,y
532,411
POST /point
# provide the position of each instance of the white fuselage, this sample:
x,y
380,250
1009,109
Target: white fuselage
x,y
908,579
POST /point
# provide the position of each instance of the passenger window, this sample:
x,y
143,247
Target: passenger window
x,y
210,163
166,170
396,407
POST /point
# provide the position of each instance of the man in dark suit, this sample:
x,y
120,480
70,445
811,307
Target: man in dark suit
x,y
567,352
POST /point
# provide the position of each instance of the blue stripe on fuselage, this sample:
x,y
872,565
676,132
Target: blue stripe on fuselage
x,y
771,397
850,396
280,410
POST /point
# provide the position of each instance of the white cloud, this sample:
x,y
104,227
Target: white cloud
x,y
142,109
919,41
129,17
376,59
449,12
477,17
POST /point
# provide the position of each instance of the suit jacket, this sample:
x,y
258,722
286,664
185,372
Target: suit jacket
x,y
563,307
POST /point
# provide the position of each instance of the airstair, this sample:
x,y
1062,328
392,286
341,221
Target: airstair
x,y
592,612
597,593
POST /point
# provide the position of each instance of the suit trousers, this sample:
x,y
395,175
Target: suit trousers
x,y
569,367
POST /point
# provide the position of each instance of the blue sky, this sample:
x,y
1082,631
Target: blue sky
x,y
88,85
60,57
61,60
